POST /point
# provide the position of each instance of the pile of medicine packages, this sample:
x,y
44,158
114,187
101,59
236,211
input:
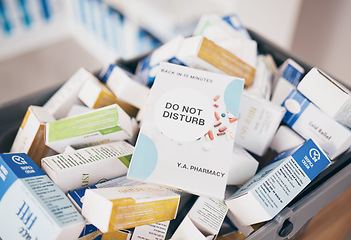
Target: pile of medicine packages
x,y
67,174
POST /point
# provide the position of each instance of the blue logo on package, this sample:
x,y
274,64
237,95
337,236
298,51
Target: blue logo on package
x,y
292,75
295,104
311,159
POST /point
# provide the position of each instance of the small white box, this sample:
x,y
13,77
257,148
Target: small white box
x,y
115,208
286,79
30,138
31,205
103,125
311,122
67,96
201,53
274,186
285,138
258,121
86,166
122,84
242,166
329,95
203,221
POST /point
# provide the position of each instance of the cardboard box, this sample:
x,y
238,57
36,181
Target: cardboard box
x,y
199,52
30,138
285,138
103,125
317,85
242,166
31,205
67,96
87,166
115,208
122,84
274,186
310,122
258,121
150,232
286,79
180,135
203,221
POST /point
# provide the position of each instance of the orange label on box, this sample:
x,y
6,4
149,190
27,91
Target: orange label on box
x,y
126,213
25,119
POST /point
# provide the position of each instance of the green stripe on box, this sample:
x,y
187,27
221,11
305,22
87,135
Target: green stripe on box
x,y
99,120
110,130
126,160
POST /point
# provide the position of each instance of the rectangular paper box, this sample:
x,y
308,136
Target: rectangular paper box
x,y
203,221
285,138
30,138
274,186
310,122
103,125
115,208
286,79
199,52
31,205
174,147
258,121
86,166
62,101
317,86
151,232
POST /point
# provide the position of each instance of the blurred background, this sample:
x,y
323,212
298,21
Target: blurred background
x,y
43,42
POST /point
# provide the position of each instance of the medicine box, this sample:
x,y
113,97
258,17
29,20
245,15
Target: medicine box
x,y
201,53
203,221
274,186
329,95
189,121
258,121
30,138
61,102
311,122
102,125
115,208
31,205
87,166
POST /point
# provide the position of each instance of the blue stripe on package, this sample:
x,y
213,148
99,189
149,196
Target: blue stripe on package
x,y
295,105
311,159
292,75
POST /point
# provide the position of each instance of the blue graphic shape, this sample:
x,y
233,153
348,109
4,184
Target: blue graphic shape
x,y
144,159
232,96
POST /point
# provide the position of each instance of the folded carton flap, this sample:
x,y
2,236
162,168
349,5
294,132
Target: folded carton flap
x,y
188,231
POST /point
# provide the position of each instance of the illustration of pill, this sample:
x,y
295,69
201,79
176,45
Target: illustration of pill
x,y
210,134
206,146
222,129
217,124
220,133
233,119
217,116
215,105
223,115
216,98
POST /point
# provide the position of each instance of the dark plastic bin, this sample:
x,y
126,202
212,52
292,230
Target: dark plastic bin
x,y
330,184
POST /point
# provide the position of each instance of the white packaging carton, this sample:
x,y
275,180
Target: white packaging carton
x,y
258,121
311,122
102,125
190,120
126,88
203,221
62,101
116,208
30,138
242,166
317,85
86,166
285,138
149,232
274,186
201,53
286,79
31,205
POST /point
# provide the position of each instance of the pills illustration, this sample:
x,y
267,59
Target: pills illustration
x,y
216,98
217,116
222,129
217,124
